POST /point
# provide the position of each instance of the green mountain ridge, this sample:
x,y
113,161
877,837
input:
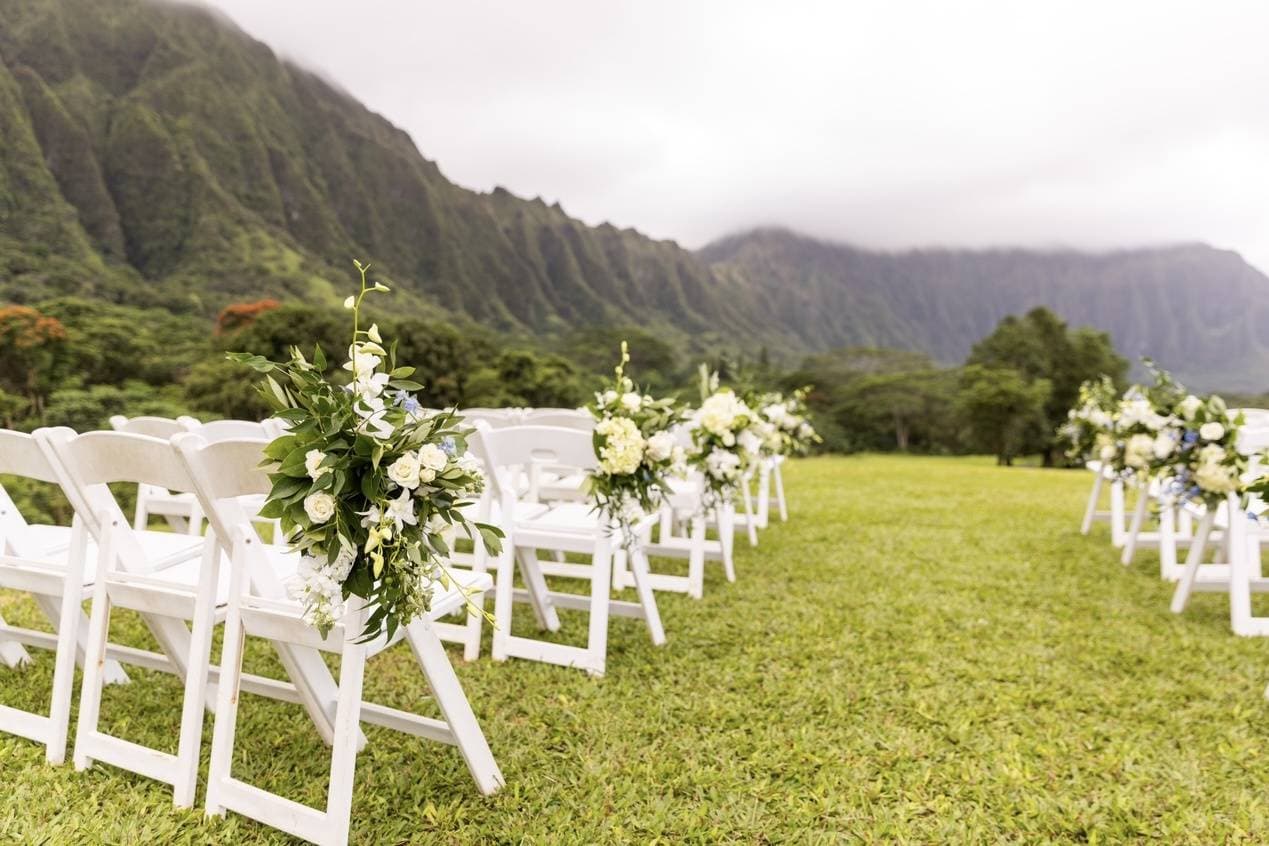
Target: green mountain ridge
x,y
1200,311
153,154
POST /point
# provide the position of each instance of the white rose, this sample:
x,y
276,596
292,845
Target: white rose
x,y
405,471
433,457
609,397
1163,445
1189,406
1211,431
631,401
319,506
312,463
426,475
729,439
660,446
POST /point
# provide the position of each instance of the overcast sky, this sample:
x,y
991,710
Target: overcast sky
x,y
1090,124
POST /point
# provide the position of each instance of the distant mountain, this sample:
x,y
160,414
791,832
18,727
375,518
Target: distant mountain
x,y
1200,311
153,153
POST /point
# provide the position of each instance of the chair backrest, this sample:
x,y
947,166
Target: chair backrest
x,y
223,471
534,416
85,464
1253,440
232,430
562,419
495,417
155,427
1253,417
21,456
519,448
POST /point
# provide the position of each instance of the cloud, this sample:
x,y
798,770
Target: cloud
x,y
1088,124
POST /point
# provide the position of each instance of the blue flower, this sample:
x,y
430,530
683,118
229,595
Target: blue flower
x,y
449,447
407,401
1189,437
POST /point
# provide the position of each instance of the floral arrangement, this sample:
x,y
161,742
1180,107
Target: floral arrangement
x,y
724,439
1205,464
365,487
1090,419
636,448
791,433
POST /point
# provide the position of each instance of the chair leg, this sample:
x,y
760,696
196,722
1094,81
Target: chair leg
x,y
64,666
225,724
779,486
647,597
95,653
343,764
747,498
454,706
764,495
1194,560
504,602
1117,513
535,582
475,626
600,596
696,560
1134,530
1090,511
12,653
727,536
1167,541
196,679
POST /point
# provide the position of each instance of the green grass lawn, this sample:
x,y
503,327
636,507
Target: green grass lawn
x,y
929,651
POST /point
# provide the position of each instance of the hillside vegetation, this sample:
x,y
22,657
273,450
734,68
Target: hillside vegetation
x,y
153,154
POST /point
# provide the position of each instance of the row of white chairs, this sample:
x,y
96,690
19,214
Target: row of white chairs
x,y
1200,549
184,584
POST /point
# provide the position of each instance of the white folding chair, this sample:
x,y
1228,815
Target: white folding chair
x,y
1174,526
167,578
570,527
179,509
1237,570
47,562
224,473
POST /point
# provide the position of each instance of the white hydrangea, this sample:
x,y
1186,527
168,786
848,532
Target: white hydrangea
x,y
717,415
622,451
1212,474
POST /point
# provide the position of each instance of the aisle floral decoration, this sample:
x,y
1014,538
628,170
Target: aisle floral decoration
x,y
636,448
791,432
724,438
1206,465
1089,427
364,484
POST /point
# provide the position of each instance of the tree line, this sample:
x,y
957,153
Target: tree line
x,y
74,362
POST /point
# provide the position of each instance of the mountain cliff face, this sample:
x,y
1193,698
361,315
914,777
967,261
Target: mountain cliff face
x,y
152,153
1200,311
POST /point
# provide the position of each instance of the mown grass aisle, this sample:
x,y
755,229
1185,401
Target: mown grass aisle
x,y
928,651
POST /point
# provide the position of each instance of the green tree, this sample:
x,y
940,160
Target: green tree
x,y
903,410
1002,409
1039,346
